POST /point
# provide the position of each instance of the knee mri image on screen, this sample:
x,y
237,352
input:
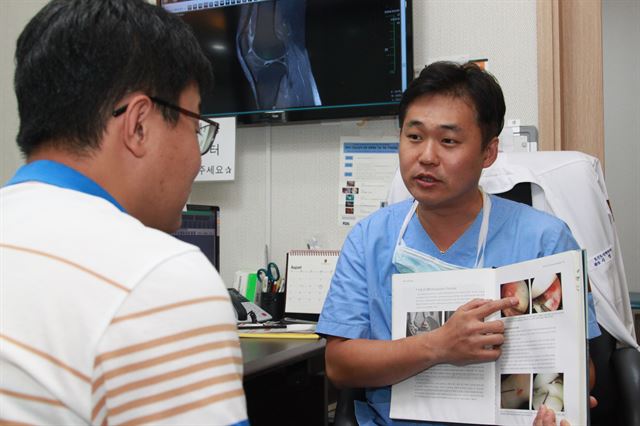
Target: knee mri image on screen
x,y
422,322
271,49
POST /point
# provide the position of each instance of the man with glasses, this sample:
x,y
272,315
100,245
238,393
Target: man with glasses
x,y
207,129
105,318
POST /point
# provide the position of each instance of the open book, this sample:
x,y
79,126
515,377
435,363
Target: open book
x,y
544,357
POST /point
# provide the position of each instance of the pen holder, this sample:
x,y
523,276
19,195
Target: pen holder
x,y
274,304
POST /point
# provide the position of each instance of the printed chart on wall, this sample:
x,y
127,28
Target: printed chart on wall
x,y
219,164
367,167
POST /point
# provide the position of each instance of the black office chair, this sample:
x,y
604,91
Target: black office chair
x,y
345,407
617,386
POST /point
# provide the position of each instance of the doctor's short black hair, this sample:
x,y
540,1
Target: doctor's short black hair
x,y
77,58
463,81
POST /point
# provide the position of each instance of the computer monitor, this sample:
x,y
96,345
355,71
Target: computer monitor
x,y
201,227
298,60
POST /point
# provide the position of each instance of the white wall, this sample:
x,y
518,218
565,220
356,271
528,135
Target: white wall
x,y
502,31
14,14
298,164
621,60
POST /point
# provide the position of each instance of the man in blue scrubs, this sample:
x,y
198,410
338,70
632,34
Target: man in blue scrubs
x,y
450,119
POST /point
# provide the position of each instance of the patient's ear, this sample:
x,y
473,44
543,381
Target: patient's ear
x,y
490,153
136,125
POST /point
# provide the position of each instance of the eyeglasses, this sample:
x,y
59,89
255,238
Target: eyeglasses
x,y
207,129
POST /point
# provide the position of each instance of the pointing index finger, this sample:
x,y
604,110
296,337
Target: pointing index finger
x,y
495,306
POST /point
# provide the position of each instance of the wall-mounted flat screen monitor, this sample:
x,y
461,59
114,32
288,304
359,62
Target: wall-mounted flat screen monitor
x,y
292,60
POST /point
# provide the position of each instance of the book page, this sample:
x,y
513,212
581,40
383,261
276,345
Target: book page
x,y
544,355
422,302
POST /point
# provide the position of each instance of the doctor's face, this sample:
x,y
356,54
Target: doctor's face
x,y
441,155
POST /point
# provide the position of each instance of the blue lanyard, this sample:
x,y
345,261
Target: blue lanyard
x,y
54,173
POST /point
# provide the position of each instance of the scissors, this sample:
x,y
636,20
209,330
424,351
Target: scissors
x,y
269,276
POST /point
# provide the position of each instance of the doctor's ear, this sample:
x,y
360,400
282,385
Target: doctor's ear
x,y
490,153
136,124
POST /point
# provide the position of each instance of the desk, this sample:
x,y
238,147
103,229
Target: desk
x,y
284,381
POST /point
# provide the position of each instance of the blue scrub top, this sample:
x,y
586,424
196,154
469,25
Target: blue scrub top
x,y
358,304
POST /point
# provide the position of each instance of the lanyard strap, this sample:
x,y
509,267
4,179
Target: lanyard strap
x,y
484,229
57,174
407,219
482,235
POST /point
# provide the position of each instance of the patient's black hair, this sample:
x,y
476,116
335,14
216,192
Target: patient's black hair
x,y
77,58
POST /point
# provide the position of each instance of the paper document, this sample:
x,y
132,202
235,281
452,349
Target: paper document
x,y
367,167
219,163
544,357
289,328
291,331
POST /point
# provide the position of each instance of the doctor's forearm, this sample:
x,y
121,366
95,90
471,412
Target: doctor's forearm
x,y
375,363
466,338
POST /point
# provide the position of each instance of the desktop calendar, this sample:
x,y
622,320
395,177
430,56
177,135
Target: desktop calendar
x,y
309,274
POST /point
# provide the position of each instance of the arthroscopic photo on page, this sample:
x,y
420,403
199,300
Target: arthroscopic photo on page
x,y
546,293
535,295
529,391
519,289
515,391
548,389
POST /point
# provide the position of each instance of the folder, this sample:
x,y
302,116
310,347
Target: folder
x,y
279,335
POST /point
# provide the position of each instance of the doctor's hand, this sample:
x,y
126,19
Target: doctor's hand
x,y
466,339
547,417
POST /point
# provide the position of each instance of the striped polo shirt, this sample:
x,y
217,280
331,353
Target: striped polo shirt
x,y
105,321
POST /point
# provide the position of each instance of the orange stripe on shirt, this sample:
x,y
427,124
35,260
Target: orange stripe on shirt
x,y
97,383
163,341
169,307
98,407
130,368
67,262
173,375
34,398
184,408
5,422
163,396
47,357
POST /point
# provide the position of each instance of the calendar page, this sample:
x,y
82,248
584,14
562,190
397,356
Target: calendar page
x,y
309,274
